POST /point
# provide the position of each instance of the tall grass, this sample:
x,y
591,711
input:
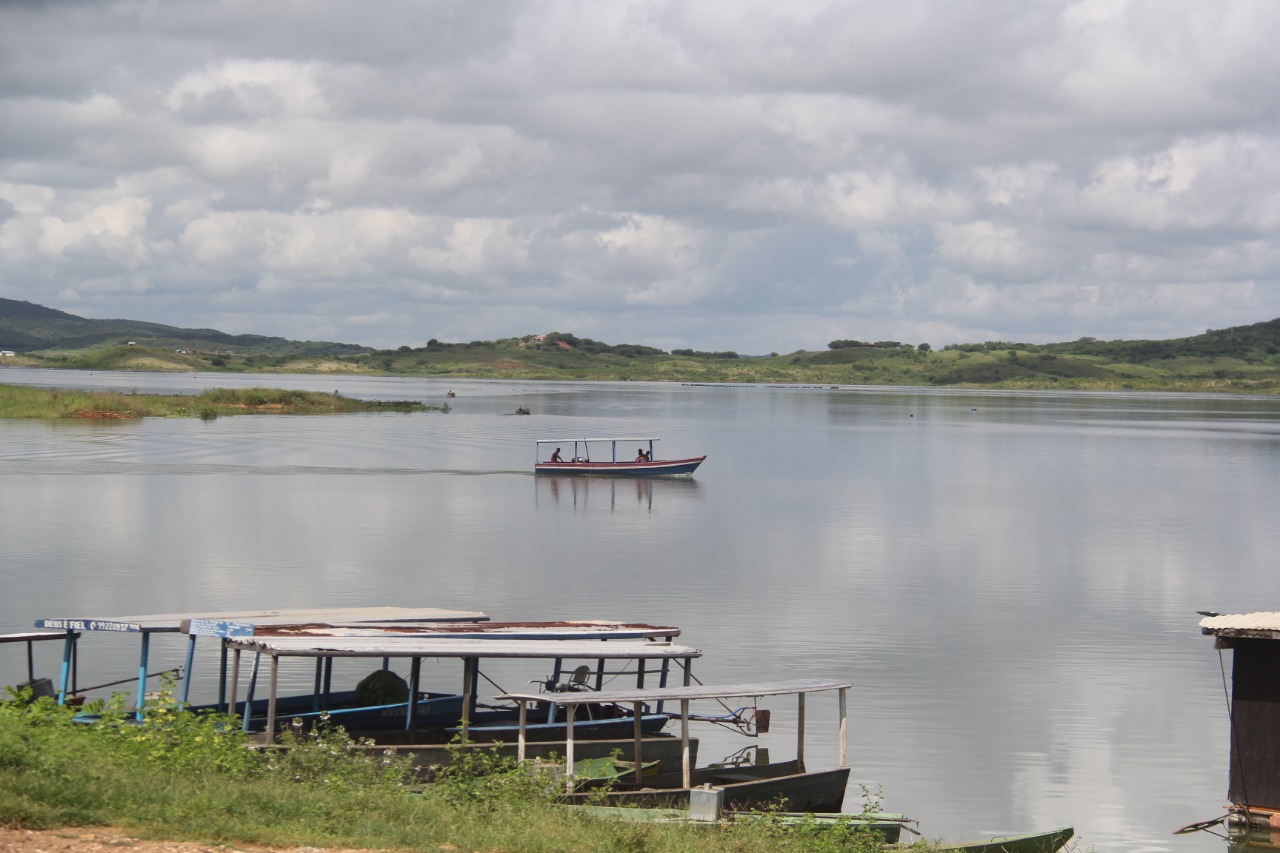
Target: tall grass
x,y
182,775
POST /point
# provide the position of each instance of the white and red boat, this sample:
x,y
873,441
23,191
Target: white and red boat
x,y
612,456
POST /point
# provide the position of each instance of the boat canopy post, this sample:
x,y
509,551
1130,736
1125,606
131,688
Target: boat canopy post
x,y
686,760
469,668
520,729
253,685
142,675
800,732
318,685
235,681
637,732
222,678
844,726
568,745
186,675
271,699
68,650
415,676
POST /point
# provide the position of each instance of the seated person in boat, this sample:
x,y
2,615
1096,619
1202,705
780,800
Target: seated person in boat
x,y
641,456
555,457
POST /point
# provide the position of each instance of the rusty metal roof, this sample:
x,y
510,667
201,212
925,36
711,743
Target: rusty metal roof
x,y
1260,625
466,647
558,630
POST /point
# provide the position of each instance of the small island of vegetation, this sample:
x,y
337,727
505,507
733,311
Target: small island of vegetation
x,y
24,402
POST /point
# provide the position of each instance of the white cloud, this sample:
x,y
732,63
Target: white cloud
x,y
687,172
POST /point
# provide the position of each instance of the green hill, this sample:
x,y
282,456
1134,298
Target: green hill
x,y
1243,359
26,327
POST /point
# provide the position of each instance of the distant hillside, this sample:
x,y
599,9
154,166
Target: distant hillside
x,y
1242,359
26,327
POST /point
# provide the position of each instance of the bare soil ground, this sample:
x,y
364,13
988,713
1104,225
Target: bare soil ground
x,y
104,839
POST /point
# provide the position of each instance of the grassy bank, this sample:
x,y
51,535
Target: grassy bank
x,y
193,777
1254,370
21,402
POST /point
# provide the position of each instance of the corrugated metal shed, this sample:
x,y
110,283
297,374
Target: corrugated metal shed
x,y
1264,626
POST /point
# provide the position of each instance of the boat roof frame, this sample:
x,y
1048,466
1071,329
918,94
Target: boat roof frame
x,y
685,694
470,650
593,440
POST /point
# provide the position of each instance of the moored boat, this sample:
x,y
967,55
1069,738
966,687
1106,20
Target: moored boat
x,y
1049,841
788,784
607,460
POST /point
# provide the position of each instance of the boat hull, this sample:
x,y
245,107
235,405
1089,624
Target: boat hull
x,y
783,785
660,468
1035,842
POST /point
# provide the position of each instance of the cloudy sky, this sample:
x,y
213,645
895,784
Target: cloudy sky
x,y
715,174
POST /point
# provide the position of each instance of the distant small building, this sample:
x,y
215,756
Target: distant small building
x,y
1254,712
7,353
131,344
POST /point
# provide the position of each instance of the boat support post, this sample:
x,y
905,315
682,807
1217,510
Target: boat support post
x,y
685,762
186,675
520,738
222,678
271,699
68,649
411,711
637,731
568,745
844,726
235,682
142,675
800,735
253,686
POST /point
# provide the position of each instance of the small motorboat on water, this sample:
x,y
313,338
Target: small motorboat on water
x,y
607,460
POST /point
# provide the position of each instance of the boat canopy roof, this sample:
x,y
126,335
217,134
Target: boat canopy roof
x,y
697,691
175,622
1265,626
466,647
33,636
560,630
581,440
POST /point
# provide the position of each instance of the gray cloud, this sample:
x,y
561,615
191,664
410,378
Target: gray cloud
x,y
723,176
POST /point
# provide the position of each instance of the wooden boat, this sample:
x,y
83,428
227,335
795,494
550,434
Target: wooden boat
x,y
885,825
1034,842
405,721
607,460
739,788
177,623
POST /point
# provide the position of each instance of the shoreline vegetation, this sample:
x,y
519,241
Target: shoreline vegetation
x,y
1240,360
181,775
25,402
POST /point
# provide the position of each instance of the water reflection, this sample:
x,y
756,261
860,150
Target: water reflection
x,y
1010,579
614,493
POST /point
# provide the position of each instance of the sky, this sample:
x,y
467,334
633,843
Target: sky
x,y
748,176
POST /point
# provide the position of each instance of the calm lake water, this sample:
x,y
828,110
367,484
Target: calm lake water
x,y
1010,579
